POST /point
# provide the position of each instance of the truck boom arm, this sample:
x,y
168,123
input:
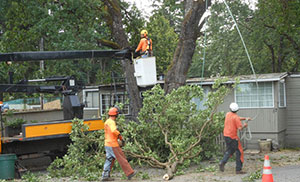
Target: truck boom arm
x,y
55,55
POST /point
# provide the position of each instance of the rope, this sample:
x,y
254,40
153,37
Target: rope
x,y
244,133
237,27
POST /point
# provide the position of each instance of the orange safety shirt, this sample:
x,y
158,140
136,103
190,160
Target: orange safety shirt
x,y
144,45
111,133
231,125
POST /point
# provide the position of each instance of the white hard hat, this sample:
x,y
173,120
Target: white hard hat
x,y
234,107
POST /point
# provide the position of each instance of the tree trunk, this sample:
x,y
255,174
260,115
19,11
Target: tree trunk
x,y
171,170
116,26
280,54
272,55
188,4
190,31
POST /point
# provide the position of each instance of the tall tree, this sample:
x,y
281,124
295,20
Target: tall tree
x,y
64,25
172,10
114,20
270,33
225,54
190,31
280,18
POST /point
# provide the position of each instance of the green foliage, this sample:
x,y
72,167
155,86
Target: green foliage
x,y
144,176
225,54
15,123
63,25
170,124
172,117
253,176
172,10
164,41
210,168
133,22
85,156
30,177
277,24
270,32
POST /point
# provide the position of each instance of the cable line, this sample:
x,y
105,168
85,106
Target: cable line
x,y
244,133
237,27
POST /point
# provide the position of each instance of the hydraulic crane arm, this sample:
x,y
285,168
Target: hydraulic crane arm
x,y
55,55
68,86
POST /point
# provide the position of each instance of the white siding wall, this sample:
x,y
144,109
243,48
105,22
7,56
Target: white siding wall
x,y
266,122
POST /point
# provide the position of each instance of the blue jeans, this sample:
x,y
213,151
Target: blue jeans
x,y
232,147
110,156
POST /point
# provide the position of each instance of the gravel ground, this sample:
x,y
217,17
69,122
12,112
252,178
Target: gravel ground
x,y
282,162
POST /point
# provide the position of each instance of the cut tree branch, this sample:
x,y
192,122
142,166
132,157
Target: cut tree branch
x,y
166,140
147,158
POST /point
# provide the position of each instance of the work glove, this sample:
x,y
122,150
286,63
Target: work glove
x,y
121,143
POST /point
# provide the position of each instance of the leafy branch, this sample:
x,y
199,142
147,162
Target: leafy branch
x,y
171,130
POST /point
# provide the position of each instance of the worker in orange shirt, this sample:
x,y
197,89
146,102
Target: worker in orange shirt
x,y
233,144
112,147
145,45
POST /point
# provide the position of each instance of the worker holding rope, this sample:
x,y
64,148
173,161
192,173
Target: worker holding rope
x,y
233,144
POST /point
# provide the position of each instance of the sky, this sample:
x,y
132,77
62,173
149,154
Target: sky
x,y
143,5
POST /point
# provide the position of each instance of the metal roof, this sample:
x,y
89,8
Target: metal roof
x,y
243,78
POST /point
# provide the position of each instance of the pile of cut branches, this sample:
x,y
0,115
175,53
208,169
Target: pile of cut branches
x,y
172,131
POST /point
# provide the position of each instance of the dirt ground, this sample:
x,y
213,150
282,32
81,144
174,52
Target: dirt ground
x,y
254,161
208,171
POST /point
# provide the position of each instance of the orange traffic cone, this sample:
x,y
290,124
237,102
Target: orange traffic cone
x,y
267,173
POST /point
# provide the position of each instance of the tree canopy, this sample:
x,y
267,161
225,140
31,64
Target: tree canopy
x,y
269,30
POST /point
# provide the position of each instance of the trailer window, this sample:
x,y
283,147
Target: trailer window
x,y
108,100
91,99
249,95
282,96
200,103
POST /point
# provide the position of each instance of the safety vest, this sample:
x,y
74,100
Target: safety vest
x,y
111,133
149,44
144,45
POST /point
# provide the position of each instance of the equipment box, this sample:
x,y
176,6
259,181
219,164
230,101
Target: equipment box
x,y
145,71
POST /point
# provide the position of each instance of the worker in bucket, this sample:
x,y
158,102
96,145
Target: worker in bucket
x,y
233,144
112,147
145,46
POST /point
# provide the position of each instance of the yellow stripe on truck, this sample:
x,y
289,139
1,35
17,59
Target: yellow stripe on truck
x,y
58,128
